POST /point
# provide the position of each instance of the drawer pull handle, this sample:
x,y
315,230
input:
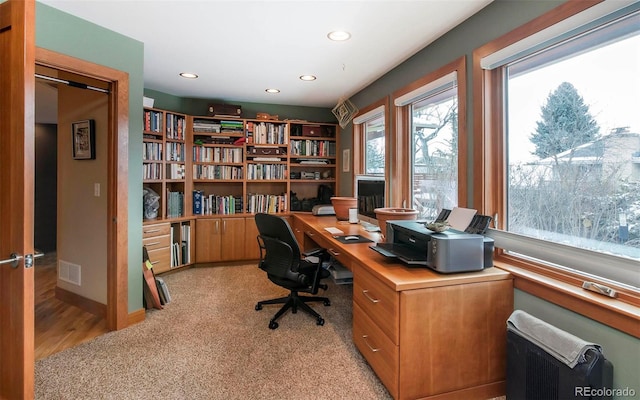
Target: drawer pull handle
x,y
309,233
152,231
366,294
373,349
333,252
153,243
154,262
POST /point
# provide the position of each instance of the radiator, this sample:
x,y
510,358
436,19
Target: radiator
x,y
535,374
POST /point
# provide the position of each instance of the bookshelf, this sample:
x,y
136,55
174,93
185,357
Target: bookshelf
x,y
167,235
312,158
213,173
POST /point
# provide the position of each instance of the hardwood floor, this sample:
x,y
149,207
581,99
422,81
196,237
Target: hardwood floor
x,y
58,325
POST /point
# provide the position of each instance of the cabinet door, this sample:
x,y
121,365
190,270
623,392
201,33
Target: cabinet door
x,y
233,239
208,243
252,251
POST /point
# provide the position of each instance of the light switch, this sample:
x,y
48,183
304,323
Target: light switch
x,y
96,189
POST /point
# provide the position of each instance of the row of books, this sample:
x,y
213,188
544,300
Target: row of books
x,y
213,204
266,171
231,126
216,172
217,154
266,203
151,151
175,151
266,133
175,171
151,171
323,148
175,126
206,126
175,204
152,121
181,245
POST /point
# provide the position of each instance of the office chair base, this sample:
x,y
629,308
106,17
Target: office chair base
x,y
294,302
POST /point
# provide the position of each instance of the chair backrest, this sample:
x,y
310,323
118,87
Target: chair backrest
x,y
282,254
276,227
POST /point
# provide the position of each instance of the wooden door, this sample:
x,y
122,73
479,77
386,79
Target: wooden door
x,y
17,82
208,245
252,251
233,239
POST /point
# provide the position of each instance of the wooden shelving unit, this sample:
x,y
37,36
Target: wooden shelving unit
x,y
209,171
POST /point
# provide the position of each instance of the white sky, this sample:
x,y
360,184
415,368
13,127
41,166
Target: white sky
x,y
608,79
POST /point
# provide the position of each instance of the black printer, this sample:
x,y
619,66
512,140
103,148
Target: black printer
x,y
447,252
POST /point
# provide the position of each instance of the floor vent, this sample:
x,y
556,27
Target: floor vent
x,y
69,272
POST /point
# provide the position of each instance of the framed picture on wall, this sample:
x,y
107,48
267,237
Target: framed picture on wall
x,y
83,140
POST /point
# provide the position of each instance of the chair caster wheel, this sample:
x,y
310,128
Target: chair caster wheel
x,y
327,303
320,321
273,325
258,307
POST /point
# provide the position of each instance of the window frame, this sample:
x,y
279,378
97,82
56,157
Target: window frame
x,y
557,285
359,142
402,171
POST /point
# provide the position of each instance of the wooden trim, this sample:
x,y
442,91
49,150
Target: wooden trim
x,y
136,317
117,208
83,303
401,170
17,80
571,278
402,134
611,312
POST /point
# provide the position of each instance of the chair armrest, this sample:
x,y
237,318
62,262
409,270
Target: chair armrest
x,y
313,252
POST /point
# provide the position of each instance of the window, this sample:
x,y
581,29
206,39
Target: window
x,y
562,173
370,140
434,140
433,132
374,143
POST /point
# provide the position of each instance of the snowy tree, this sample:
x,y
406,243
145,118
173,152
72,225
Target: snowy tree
x,y
566,123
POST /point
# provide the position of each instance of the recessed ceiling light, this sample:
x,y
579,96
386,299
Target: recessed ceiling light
x,y
188,75
272,91
307,77
339,36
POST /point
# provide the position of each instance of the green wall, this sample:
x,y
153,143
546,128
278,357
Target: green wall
x,y
66,34
193,106
495,20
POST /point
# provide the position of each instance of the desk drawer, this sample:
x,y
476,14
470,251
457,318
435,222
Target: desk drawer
x,y
155,230
378,301
160,259
156,242
330,246
382,354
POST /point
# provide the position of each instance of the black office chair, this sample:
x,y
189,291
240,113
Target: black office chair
x,y
280,257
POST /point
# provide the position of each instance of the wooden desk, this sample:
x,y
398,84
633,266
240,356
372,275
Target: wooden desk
x,y
425,334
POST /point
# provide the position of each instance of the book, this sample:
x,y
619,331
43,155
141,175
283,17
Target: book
x,y
197,202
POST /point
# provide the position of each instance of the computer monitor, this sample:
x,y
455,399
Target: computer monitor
x,y
370,192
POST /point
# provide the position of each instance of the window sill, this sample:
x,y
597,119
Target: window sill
x,y
615,313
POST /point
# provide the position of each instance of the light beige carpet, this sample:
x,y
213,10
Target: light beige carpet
x,y
210,343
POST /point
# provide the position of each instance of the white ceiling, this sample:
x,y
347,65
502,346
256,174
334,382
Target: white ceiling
x,y
240,48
